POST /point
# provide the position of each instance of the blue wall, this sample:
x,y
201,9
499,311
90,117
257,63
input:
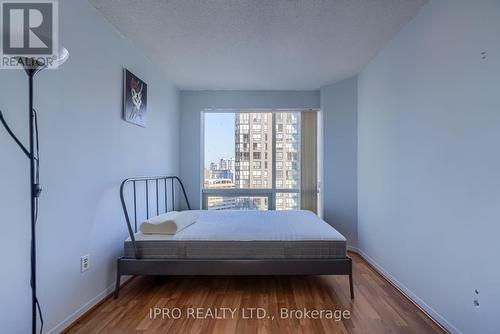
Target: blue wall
x,y
86,149
429,162
194,102
339,105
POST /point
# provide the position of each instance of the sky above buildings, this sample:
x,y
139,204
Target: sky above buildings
x,y
219,137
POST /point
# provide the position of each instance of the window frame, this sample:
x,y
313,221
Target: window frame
x,y
270,193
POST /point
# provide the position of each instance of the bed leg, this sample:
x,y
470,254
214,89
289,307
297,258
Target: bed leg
x,y
118,279
351,284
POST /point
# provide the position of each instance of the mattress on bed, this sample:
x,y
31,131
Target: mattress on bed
x,y
235,234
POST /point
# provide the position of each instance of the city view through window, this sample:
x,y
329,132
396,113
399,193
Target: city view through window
x,y
252,161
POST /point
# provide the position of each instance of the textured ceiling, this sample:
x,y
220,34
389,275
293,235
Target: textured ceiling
x,y
259,44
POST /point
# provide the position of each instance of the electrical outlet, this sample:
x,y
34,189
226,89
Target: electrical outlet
x,y
84,263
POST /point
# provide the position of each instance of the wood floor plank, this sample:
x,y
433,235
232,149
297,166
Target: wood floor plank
x,y
377,308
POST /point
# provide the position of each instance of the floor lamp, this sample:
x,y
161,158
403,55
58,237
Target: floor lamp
x,y
32,67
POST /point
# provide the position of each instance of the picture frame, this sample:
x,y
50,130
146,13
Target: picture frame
x,y
135,99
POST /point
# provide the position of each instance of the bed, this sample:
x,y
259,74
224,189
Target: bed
x,y
227,242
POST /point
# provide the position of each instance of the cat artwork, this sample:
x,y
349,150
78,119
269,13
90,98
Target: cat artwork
x,y
135,99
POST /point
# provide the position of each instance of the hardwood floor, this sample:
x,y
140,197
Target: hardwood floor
x,y
377,308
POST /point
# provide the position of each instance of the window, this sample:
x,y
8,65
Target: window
x,y
249,167
256,182
242,156
256,127
244,128
287,201
244,119
256,117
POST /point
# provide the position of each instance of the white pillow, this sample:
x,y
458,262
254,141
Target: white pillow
x,y
169,223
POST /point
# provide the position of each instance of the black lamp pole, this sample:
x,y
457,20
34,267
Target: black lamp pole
x,y
35,192
35,188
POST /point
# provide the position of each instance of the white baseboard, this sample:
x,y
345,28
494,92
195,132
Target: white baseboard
x,y
352,249
407,292
81,311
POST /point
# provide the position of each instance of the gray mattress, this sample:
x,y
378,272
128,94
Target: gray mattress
x,y
246,235
161,249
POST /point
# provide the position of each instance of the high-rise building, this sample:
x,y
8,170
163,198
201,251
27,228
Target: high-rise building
x,y
287,159
254,154
253,145
223,169
226,164
220,202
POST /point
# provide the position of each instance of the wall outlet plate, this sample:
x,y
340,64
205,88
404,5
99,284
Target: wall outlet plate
x,y
84,263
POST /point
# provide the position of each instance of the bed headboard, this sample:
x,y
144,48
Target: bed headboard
x,y
154,194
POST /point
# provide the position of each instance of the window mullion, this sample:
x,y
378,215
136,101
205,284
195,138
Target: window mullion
x,y
272,205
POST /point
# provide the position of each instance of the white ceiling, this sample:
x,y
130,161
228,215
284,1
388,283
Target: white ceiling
x,y
259,44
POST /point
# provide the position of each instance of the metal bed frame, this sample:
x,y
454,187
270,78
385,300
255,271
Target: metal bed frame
x,y
207,267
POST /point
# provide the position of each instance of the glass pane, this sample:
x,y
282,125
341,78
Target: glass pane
x,y
239,154
253,150
219,165
237,203
287,201
287,150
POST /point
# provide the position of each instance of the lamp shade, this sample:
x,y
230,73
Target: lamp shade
x,y
62,55
31,64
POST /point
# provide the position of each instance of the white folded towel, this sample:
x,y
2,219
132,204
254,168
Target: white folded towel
x,y
169,223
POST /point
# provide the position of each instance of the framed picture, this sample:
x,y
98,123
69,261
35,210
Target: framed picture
x,y
135,99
